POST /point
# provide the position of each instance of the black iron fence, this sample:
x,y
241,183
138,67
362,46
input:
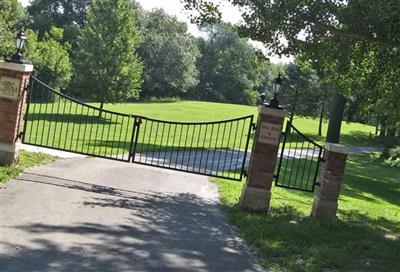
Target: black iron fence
x,y
54,120
299,161
216,149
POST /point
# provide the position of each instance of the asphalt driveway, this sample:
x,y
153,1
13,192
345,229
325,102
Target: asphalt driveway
x,y
86,214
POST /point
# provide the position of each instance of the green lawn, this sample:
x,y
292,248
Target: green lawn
x,y
26,160
365,238
352,133
66,125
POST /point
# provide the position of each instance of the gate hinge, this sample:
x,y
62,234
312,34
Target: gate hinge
x,y
254,126
20,135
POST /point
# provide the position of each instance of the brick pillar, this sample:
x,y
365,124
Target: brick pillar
x,y
330,179
14,79
256,193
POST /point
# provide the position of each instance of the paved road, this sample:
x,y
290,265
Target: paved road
x,y
84,214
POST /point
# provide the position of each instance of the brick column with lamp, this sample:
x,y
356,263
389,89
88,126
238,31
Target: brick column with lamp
x,y
14,79
256,193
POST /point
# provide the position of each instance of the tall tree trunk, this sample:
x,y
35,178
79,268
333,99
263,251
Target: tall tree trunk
x,y
321,117
382,133
377,126
335,120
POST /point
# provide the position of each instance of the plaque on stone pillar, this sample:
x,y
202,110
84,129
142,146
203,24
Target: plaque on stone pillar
x,y
269,133
9,87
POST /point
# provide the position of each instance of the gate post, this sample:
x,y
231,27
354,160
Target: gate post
x,y
14,79
330,179
256,193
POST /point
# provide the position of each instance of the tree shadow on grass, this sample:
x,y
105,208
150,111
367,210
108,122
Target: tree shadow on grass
x,y
357,138
75,118
288,240
367,174
162,232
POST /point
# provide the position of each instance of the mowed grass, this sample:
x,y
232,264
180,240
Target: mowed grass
x,y
366,236
27,160
69,126
351,134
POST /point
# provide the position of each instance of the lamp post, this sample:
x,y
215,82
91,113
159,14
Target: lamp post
x,y
276,89
20,42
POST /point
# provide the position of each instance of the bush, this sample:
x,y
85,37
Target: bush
x,y
251,97
393,157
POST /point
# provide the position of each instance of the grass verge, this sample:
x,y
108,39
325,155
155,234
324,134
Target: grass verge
x,y
366,236
27,160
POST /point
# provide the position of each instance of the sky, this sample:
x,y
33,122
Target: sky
x,y
175,7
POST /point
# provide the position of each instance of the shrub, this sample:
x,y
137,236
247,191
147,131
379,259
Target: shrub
x,y
251,97
394,157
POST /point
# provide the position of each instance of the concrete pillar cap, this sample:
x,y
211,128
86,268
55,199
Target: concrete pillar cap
x,y
337,148
26,68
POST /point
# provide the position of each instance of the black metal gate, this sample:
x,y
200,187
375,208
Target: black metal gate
x,y
299,161
54,120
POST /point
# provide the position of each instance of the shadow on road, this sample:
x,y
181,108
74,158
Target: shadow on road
x,y
163,232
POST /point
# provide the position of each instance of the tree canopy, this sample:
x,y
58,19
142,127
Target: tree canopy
x,y
106,65
12,18
351,44
230,68
66,14
50,57
169,55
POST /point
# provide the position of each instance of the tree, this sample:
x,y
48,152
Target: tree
x,y
68,15
169,55
12,18
349,43
107,66
50,57
230,68
304,93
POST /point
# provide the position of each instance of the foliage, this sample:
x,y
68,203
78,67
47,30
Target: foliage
x,y
26,160
351,44
366,236
12,18
169,55
394,157
230,68
303,91
106,65
50,58
68,15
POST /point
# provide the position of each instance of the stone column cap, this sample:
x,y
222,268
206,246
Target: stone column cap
x,y
271,111
337,148
26,68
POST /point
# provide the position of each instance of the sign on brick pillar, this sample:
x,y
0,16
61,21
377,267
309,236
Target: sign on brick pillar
x,y
330,179
256,193
14,78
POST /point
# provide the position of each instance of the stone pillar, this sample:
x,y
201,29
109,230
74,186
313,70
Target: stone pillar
x,y
14,79
256,193
330,180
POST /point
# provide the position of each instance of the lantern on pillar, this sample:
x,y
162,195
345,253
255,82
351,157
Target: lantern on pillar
x,y
276,89
20,43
